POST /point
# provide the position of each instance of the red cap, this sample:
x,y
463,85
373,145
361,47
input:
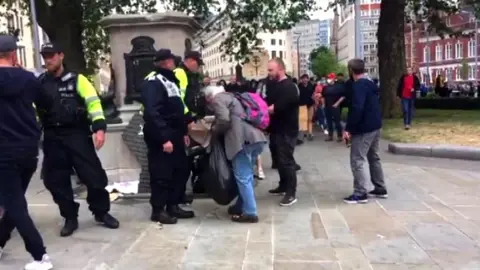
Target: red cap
x,y
332,76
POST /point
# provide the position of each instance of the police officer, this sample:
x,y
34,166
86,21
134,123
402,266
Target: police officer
x,y
19,137
190,85
165,133
68,127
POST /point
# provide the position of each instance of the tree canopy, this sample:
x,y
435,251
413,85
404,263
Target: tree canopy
x,y
74,25
323,61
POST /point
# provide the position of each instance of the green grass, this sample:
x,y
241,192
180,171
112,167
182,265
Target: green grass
x,y
436,127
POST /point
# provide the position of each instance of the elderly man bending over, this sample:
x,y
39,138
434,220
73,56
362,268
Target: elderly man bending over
x,y
243,144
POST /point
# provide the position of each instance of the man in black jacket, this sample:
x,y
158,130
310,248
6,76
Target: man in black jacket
x,y
19,139
283,107
333,94
165,133
306,106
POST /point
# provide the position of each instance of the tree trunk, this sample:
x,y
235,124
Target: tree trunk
x,y
391,54
63,24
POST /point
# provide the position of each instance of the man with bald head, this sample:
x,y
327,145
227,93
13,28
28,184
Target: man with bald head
x,y
283,106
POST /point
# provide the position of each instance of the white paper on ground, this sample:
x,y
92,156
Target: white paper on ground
x,y
130,187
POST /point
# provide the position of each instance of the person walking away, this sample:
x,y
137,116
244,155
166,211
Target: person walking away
x,y
319,107
243,144
306,106
406,91
165,134
363,131
19,138
333,95
283,106
68,126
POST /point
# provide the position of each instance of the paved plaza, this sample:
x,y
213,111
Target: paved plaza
x,y
431,221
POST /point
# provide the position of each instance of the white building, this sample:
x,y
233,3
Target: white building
x,y
217,65
15,19
369,16
304,38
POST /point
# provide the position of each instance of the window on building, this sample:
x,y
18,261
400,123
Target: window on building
x,y
448,74
272,41
22,56
438,53
365,48
471,72
472,48
448,51
274,54
458,73
281,54
426,54
459,50
10,21
280,42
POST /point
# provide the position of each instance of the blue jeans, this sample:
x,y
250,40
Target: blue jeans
x,y
321,120
242,164
407,107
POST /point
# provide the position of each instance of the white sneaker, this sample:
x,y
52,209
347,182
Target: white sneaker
x,y
44,264
261,174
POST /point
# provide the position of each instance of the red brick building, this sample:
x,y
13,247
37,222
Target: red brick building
x,y
430,54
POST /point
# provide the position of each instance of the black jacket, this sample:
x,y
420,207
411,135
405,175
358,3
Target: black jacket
x,y
416,85
163,110
364,114
19,129
332,93
306,93
284,95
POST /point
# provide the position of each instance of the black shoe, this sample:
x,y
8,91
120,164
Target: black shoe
x,y
354,199
329,139
163,217
277,191
232,211
288,200
108,221
299,142
297,167
176,211
378,193
70,226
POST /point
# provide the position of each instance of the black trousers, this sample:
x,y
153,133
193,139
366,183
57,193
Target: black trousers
x,y
169,174
273,152
284,145
61,153
333,118
14,180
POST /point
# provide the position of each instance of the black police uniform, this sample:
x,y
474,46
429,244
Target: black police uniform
x,y
19,138
165,121
68,125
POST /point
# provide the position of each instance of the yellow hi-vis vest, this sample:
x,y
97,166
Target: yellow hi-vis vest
x,y
180,77
153,76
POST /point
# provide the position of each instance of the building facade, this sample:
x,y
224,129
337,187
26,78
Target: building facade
x,y
369,16
453,58
304,38
16,20
218,66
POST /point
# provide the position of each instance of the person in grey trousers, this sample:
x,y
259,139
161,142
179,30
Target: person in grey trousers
x,y
363,132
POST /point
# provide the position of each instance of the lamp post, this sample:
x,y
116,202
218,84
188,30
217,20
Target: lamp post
x,y
36,41
358,51
299,35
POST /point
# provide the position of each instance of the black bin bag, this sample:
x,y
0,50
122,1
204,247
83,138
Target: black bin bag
x,y
218,176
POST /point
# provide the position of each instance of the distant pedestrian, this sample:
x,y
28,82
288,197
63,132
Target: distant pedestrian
x,y
363,131
306,106
333,95
408,85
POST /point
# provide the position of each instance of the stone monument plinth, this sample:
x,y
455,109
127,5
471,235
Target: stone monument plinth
x,y
134,39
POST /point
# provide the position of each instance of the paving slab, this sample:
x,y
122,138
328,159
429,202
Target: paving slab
x,y
429,222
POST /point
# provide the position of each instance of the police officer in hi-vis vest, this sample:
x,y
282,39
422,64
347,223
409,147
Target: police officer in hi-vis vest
x,y
69,126
165,134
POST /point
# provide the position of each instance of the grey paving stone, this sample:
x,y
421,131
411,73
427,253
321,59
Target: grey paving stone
x,y
306,266
319,232
441,237
396,250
